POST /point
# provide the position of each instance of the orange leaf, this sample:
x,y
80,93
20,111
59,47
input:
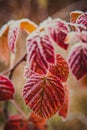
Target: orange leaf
x,y
4,49
74,15
44,95
60,69
64,110
27,25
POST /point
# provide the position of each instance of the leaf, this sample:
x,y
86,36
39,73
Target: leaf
x,y
77,60
83,36
64,110
44,95
16,123
13,35
6,89
37,123
82,20
60,69
4,49
58,30
40,52
73,37
74,15
27,25
28,72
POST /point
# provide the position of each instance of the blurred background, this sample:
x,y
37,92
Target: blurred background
x,y
37,11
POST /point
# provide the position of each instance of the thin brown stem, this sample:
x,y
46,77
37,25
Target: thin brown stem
x,y
14,67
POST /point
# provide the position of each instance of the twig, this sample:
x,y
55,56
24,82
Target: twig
x,y
12,69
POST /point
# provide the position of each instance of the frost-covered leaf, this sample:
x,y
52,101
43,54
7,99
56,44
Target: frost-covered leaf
x,y
77,60
27,25
64,110
28,72
58,30
82,19
4,49
83,36
75,37
37,123
72,37
44,95
6,89
40,52
13,35
16,122
60,69
74,15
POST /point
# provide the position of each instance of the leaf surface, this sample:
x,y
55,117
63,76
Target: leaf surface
x,y
60,69
44,95
64,110
27,25
6,89
58,30
77,60
74,15
40,52
13,36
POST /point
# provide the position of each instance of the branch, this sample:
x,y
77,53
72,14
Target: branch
x,y
14,67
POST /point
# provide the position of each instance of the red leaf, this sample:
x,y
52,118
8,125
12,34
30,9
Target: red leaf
x,y
37,123
64,110
16,123
44,95
28,72
58,31
13,35
6,89
78,60
60,69
40,52
82,19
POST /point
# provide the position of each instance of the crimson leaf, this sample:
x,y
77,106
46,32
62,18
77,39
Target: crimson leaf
x,y
58,31
40,52
44,95
60,69
78,60
6,89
